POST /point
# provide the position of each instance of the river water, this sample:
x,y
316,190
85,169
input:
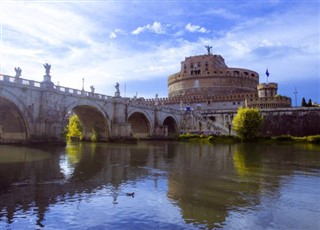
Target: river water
x,y
175,185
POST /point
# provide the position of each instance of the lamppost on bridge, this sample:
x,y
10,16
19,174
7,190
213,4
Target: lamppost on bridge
x,y
295,95
82,84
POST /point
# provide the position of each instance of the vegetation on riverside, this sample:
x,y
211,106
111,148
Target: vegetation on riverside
x,y
315,139
305,104
189,137
74,128
247,123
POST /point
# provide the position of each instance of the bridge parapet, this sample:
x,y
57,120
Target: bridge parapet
x,y
19,81
141,102
61,89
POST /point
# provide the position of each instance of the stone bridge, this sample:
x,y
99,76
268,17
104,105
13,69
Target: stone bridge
x,y
33,111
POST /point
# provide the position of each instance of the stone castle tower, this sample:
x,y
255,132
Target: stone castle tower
x,y
208,75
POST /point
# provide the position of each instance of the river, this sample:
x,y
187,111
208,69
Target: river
x,y
176,185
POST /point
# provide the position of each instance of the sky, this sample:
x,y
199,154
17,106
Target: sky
x,y
139,44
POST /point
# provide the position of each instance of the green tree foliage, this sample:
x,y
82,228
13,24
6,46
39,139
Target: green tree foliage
x,y
74,128
247,122
96,130
303,103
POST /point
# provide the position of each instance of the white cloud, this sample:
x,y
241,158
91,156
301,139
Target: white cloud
x,y
139,30
49,25
156,27
222,13
112,35
195,28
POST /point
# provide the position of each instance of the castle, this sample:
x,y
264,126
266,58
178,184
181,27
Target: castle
x,y
205,82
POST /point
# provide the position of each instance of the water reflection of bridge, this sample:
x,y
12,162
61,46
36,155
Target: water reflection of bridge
x,y
205,181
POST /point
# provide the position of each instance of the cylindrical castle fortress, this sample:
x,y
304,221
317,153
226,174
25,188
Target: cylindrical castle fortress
x,y
208,75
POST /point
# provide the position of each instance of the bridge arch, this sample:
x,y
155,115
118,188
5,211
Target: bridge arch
x,y
172,125
14,122
140,124
93,119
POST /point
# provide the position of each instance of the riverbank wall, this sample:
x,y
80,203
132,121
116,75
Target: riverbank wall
x,y
300,121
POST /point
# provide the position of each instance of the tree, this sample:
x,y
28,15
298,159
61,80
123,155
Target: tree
x,y
304,103
74,128
247,122
309,103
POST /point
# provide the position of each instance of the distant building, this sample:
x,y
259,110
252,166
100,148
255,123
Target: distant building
x,y
205,82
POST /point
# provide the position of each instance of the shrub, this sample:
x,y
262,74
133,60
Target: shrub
x,y
74,128
314,139
247,122
284,138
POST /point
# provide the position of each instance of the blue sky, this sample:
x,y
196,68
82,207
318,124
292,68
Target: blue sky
x,y
140,43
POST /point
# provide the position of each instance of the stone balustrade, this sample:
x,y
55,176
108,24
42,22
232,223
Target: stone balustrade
x,y
61,89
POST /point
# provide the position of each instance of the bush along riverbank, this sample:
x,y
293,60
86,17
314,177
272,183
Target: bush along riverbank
x,y
315,139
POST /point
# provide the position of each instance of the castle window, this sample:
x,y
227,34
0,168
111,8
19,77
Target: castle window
x,y
195,72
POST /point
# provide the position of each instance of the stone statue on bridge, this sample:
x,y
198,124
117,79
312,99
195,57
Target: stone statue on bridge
x,y
47,83
18,72
117,93
47,67
156,101
92,89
